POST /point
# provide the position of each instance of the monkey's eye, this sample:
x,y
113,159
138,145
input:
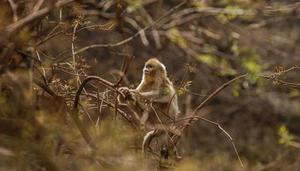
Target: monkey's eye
x,y
149,66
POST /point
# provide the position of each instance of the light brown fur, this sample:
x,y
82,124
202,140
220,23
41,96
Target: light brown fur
x,y
155,88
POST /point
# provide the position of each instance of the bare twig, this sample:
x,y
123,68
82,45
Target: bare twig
x,y
48,37
111,105
165,130
227,134
38,5
124,68
126,62
14,7
15,27
99,105
131,37
155,33
106,26
73,113
134,24
213,94
192,116
104,82
280,71
222,129
73,51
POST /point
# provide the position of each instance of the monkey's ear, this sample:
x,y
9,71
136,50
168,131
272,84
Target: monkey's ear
x,y
163,69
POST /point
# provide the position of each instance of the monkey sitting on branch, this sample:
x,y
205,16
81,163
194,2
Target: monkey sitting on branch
x,y
155,94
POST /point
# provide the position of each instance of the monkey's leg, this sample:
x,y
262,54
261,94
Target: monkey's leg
x,y
144,118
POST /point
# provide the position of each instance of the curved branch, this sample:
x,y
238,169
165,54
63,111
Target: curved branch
x,y
192,116
212,95
103,82
218,90
226,133
87,80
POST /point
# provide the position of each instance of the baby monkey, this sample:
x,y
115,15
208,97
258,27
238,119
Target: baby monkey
x,y
155,88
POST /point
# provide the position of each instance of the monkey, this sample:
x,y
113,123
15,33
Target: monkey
x,y
155,93
155,88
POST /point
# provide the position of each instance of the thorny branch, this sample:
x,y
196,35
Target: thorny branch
x,y
280,71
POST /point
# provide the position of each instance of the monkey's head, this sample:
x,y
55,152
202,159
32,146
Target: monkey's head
x,y
153,69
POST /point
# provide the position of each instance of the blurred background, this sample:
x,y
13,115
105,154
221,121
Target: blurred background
x,y
49,47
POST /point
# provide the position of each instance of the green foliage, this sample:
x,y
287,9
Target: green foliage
x,y
253,68
235,90
285,137
199,4
251,65
230,13
133,5
184,88
208,59
249,61
176,37
223,67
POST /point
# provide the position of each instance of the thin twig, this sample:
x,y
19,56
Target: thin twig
x,y
131,37
111,105
48,38
275,77
192,116
100,105
38,5
14,7
73,52
213,94
104,82
125,65
72,113
226,133
165,130
10,29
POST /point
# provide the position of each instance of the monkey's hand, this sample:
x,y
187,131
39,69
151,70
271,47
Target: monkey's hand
x,y
128,94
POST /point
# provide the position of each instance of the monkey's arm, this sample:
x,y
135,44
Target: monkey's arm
x,y
163,96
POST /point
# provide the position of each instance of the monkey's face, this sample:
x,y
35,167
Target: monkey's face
x,y
149,69
153,68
